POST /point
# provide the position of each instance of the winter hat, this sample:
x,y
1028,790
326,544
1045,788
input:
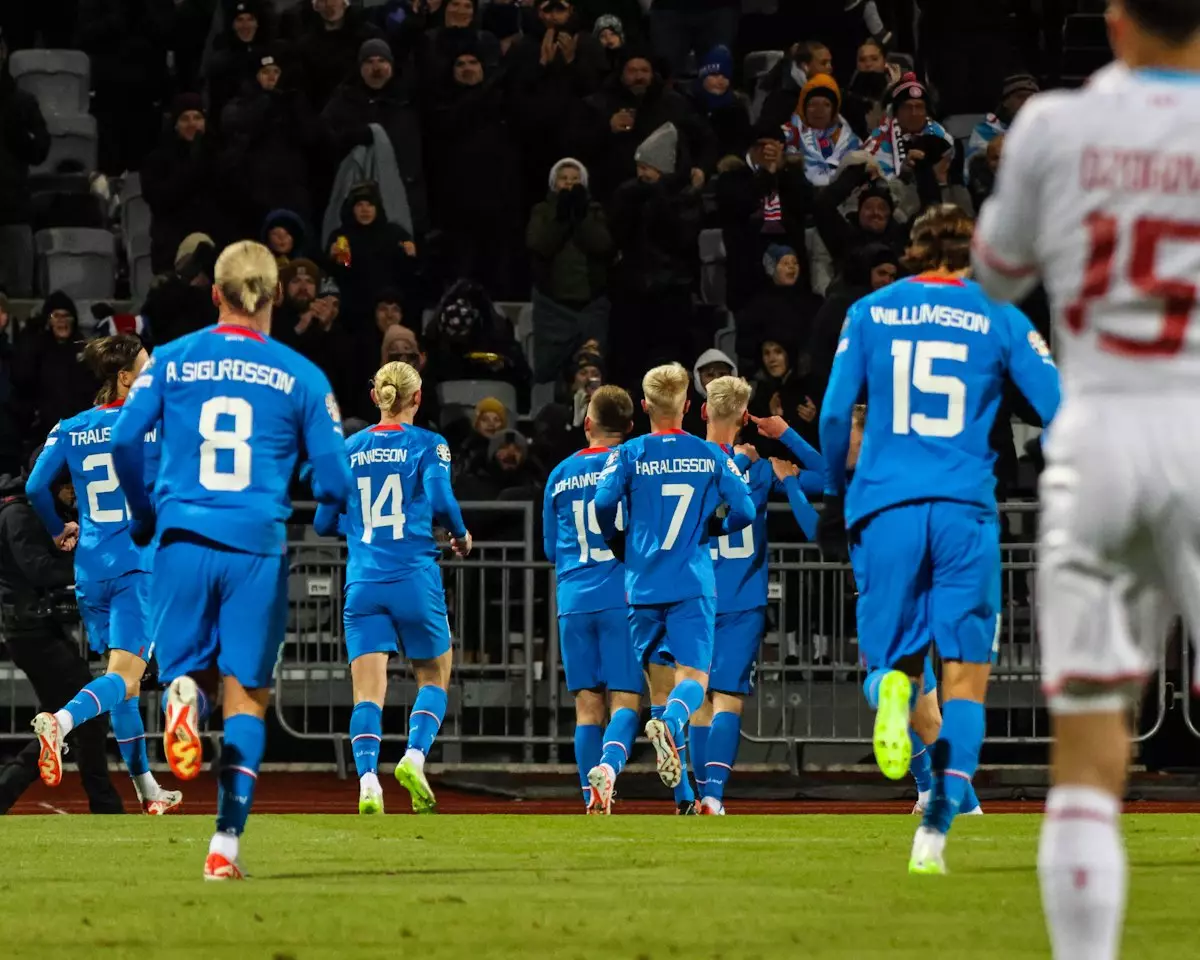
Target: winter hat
x,y
302,267
59,300
329,288
399,340
458,318
491,405
821,85
252,7
609,22
878,188
718,61
775,253
583,359
270,58
765,129
707,358
503,439
118,323
185,102
365,190
569,162
1019,83
189,246
388,295
375,47
659,150
907,88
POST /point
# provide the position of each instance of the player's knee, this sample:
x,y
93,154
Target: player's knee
x,y
589,707
625,700
1091,744
726,703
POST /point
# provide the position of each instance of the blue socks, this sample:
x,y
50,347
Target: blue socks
x,y
366,732
698,744
723,739
99,696
428,711
955,758
871,687
684,700
241,756
618,738
127,726
683,792
921,766
588,738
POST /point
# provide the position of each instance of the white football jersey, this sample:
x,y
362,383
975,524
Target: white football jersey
x,y
1098,195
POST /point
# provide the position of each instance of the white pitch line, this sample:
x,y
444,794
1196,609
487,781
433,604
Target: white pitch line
x,y
52,808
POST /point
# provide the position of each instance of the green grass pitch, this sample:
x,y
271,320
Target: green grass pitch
x,y
644,888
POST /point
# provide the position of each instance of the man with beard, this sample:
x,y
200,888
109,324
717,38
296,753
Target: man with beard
x,y
299,280
874,221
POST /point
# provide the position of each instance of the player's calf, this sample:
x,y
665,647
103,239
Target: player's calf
x,y
589,737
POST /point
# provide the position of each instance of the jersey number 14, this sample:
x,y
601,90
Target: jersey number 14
x,y
375,510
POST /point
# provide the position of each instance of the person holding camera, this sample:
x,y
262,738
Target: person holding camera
x,y
907,127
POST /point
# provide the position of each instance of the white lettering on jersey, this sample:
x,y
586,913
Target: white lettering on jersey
x,y
657,468
81,438
580,481
192,371
938,314
378,455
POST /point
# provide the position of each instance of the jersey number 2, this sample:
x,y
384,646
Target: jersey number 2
x,y
232,438
101,461
912,369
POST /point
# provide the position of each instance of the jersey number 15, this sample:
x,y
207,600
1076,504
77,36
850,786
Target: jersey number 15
x,y
912,369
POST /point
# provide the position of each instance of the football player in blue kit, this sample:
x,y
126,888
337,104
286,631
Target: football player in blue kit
x,y
673,484
237,409
593,617
932,354
393,581
111,574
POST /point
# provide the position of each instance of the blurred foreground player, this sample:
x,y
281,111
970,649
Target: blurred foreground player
x,y
236,409
1113,230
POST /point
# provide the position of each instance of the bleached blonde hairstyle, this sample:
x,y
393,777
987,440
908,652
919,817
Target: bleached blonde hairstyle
x,y
727,398
665,389
247,276
396,384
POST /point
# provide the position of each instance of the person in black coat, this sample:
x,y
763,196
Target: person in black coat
x,y
237,53
24,141
785,388
181,302
874,221
785,304
328,48
434,38
726,110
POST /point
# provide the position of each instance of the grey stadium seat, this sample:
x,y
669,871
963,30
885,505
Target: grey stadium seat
x,y
71,138
141,274
458,397
80,262
960,125
760,63
60,79
712,266
135,211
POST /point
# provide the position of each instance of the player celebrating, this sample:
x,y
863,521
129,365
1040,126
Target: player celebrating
x,y
932,354
236,409
393,583
1112,229
111,573
593,619
673,484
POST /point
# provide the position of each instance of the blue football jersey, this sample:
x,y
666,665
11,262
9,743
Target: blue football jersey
x,y
401,480
932,356
673,484
237,409
82,445
740,559
589,577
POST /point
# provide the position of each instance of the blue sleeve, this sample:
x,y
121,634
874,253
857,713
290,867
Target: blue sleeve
x,y
50,464
610,491
802,510
143,409
324,442
809,457
1031,367
435,478
153,452
549,520
812,482
743,462
328,521
846,381
734,490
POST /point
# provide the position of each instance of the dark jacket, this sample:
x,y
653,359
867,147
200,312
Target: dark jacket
x,y
181,184
174,307
843,234
234,64
730,123
775,308
568,236
330,57
24,142
30,563
49,379
656,230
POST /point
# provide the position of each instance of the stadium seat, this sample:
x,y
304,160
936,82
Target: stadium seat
x,y
760,62
712,266
541,397
60,79
725,339
64,200
73,140
79,261
135,211
523,329
960,125
141,274
458,397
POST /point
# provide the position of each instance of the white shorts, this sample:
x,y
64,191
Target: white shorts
x,y
1119,545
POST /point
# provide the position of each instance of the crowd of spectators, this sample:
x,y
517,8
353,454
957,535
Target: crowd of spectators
x,y
413,164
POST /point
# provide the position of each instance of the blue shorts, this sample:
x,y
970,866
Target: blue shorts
x,y
115,613
408,615
928,571
597,652
735,650
211,605
682,631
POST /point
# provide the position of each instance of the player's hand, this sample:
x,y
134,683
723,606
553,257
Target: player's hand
x,y
142,531
66,540
772,427
831,530
461,547
784,468
749,451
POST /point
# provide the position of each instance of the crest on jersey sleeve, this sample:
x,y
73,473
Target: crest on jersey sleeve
x,y
52,439
1039,345
443,452
843,345
610,464
331,405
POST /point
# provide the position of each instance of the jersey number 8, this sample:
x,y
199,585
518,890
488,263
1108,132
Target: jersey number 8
x,y
916,373
232,438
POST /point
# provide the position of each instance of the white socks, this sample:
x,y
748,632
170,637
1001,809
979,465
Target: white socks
x,y
226,844
415,757
146,786
1083,874
66,723
370,781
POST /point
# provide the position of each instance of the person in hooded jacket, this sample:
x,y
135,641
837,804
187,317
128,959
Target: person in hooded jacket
x,y
710,365
237,53
286,235
785,387
785,304
329,46
726,110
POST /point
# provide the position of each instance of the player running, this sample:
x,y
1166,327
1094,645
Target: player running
x,y
593,618
111,573
237,408
673,484
932,354
1113,229
393,582
740,568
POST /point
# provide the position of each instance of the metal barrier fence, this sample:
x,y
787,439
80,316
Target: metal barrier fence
x,y
508,700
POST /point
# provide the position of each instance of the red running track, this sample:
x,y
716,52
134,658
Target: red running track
x,y
324,793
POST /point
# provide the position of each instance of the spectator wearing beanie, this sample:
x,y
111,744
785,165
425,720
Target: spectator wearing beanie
x,y
818,132
26,142
436,37
507,473
727,111
572,249
609,30
181,301
929,185
470,437
902,130
377,94
329,48
785,304
1016,90
681,27
321,336
286,235
238,52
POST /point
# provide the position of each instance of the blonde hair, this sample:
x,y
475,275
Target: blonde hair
x,y
396,383
247,276
727,398
665,389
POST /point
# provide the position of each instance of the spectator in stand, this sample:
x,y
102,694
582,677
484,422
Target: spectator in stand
x,y
367,254
784,81
50,383
471,446
906,127
237,54
506,20
655,224
607,129
862,105
181,302
679,28
572,249
320,336
330,46
299,280
710,365
818,132
474,183
181,184
762,199
436,36
286,235
726,110
785,388
1016,91
609,30
376,94
24,142
508,473
400,343
983,171
785,304
269,139
10,441
927,183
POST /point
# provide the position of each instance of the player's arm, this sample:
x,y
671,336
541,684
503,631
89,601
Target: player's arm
x,y
787,481
734,491
328,520
435,479
1031,367
324,443
610,491
50,465
143,409
846,382
1004,248
549,519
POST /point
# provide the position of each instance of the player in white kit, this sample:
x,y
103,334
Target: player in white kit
x,y
1098,195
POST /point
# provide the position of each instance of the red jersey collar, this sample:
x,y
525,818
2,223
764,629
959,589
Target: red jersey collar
x,y
112,405
933,278
584,452
232,329
381,427
663,433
